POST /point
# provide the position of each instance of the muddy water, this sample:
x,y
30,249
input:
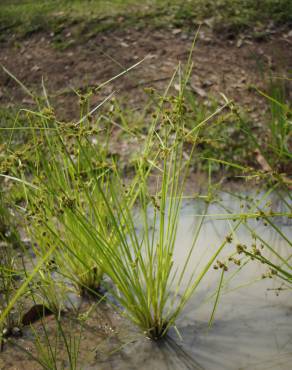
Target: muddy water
x,y
252,328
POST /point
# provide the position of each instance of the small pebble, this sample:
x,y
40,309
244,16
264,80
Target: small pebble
x,y
16,332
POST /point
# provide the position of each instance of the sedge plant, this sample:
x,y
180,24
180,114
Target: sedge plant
x,y
147,283
85,216
63,184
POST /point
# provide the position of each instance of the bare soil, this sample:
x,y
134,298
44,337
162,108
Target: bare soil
x,y
229,66
103,332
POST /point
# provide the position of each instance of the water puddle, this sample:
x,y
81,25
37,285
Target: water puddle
x,y
253,326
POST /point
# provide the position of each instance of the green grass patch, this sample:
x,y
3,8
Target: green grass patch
x,y
26,17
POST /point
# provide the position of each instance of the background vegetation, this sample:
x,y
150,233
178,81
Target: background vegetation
x,y
25,17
